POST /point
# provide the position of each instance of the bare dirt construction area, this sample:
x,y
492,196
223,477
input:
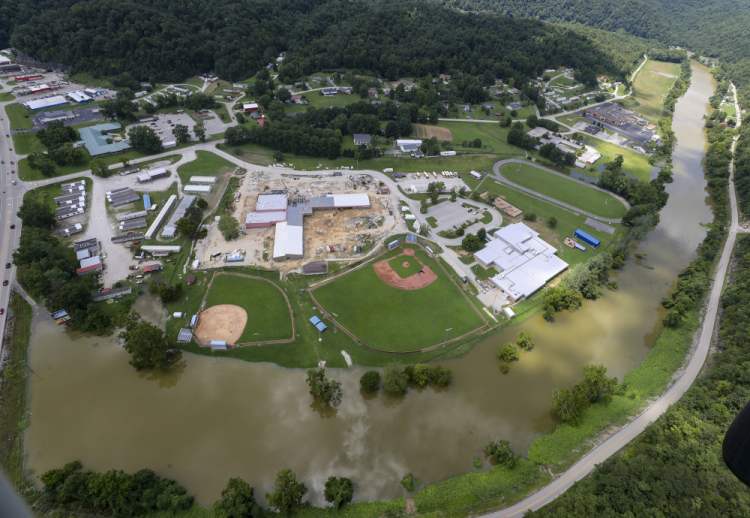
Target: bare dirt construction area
x,y
414,282
222,322
327,234
424,131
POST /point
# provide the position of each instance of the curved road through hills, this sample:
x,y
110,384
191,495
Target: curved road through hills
x,y
605,450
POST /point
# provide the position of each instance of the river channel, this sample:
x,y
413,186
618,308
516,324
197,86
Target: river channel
x,y
210,420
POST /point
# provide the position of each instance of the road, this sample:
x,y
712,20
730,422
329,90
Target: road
x,y
605,450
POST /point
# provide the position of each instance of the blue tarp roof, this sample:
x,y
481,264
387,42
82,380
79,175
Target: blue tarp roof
x,y
146,201
318,323
587,238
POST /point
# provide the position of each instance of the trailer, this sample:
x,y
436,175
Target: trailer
x,y
587,238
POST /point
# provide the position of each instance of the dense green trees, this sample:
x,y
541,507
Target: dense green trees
x,y
370,381
111,493
570,404
339,491
327,392
148,345
287,494
237,500
144,139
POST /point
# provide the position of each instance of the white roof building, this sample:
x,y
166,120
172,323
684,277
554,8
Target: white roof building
x,y
271,202
90,261
49,102
79,97
288,242
525,261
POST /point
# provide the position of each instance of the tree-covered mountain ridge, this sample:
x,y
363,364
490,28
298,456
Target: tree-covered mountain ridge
x,y
169,40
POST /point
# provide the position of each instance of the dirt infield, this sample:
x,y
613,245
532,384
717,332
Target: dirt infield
x,y
424,131
222,322
414,282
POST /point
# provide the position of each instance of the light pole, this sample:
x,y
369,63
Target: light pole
x,y
257,337
320,338
446,335
334,321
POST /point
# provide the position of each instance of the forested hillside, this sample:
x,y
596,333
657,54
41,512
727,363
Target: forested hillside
x,y
172,39
713,28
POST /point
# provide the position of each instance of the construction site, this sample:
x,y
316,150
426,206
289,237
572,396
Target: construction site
x,y
301,218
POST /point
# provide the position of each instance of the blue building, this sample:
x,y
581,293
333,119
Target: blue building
x,y
587,238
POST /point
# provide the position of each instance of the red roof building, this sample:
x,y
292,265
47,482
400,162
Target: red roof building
x,y
151,268
93,268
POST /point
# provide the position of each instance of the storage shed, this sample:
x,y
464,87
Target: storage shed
x,y
587,238
318,324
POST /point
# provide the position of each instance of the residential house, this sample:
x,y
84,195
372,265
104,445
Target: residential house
x,y
362,139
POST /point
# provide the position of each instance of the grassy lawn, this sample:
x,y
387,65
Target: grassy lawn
x,y
432,221
651,86
206,164
398,320
18,117
486,217
195,81
727,108
634,163
397,263
571,120
494,137
84,78
267,311
27,143
6,96
562,81
318,100
255,154
566,190
472,182
13,416
483,273
567,223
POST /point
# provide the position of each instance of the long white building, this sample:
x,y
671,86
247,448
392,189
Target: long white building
x,y
161,217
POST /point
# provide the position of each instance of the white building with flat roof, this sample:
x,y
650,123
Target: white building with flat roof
x,y
271,203
525,261
203,180
288,242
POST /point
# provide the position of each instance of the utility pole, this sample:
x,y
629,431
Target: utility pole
x,y
446,335
334,321
257,337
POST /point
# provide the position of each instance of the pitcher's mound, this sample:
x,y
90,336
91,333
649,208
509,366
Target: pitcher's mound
x,y
222,322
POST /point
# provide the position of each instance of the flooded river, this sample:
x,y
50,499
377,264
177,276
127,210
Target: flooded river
x,y
211,420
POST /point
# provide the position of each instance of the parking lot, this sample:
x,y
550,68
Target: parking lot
x,y
450,213
82,115
422,183
164,124
628,130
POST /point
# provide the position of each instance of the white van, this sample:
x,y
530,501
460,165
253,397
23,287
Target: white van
x,y
139,276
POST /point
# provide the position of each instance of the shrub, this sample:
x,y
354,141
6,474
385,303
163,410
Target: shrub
x,y
410,482
442,377
525,340
395,380
530,216
422,374
370,381
477,462
508,352
552,222
504,368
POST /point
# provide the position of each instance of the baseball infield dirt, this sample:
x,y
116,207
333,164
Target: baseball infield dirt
x,y
414,282
222,322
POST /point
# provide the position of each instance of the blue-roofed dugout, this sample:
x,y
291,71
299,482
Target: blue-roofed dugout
x,y
318,323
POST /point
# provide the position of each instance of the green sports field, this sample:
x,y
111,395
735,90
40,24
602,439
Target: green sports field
x,y
267,310
572,192
651,86
398,320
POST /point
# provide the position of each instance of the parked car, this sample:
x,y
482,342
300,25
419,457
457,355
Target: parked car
x,y
7,265
5,282
2,311
136,242
13,226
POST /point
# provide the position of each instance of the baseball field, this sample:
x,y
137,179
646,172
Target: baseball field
x,y
399,319
242,306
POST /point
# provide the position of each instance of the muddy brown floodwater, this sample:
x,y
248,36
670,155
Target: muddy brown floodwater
x,y
210,420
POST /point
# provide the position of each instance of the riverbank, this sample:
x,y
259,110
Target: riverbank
x,y
13,376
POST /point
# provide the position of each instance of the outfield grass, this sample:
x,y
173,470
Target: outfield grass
x,y
651,87
205,164
18,117
567,223
267,310
566,190
398,320
397,264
